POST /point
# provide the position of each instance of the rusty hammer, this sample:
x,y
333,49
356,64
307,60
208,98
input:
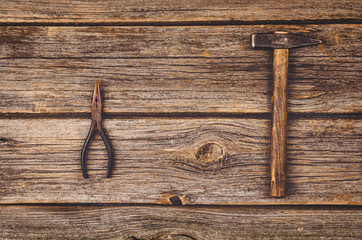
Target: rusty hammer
x,y
280,42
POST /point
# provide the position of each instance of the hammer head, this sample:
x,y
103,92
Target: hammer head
x,y
280,40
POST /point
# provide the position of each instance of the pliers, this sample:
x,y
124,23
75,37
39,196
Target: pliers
x,y
96,125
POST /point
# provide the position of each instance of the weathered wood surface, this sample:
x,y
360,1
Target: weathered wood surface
x,y
172,158
339,41
161,223
202,161
174,69
139,11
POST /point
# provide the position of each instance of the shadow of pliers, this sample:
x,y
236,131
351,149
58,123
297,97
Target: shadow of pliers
x,y
96,125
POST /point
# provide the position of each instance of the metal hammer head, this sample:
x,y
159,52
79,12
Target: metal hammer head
x,y
280,40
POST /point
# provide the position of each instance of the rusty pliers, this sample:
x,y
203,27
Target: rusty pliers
x,y
96,125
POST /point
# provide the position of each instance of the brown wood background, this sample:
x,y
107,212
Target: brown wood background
x,y
187,108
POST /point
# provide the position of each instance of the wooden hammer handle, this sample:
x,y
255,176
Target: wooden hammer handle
x,y
279,124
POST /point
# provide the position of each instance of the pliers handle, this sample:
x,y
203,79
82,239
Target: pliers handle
x,y
96,125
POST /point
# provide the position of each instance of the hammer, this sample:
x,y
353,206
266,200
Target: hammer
x,y
280,42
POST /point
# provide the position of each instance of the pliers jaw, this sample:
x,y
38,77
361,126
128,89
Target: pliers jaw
x,y
97,105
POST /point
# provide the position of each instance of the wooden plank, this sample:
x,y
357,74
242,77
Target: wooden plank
x,y
339,40
157,223
200,161
138,11
174,69
174,86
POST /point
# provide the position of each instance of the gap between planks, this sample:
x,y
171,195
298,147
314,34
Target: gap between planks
x,y
296,206
178,115
183,23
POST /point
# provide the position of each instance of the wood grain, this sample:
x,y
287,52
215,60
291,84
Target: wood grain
x,y
174,69
175,60
161,223
278,139
339,40
201,161
138,11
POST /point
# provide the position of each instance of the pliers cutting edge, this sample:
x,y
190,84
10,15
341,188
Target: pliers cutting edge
x,y
96,125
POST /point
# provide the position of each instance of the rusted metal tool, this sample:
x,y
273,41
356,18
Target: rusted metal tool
x,y
280,42
96,125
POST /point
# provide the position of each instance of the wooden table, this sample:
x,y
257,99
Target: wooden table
x,y
187,108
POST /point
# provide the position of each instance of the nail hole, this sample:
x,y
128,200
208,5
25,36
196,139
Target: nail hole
x,y
7,142
176,201
4,140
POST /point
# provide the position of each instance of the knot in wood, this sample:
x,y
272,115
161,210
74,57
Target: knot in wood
x,y
165,236
175,237
206,156
210,153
